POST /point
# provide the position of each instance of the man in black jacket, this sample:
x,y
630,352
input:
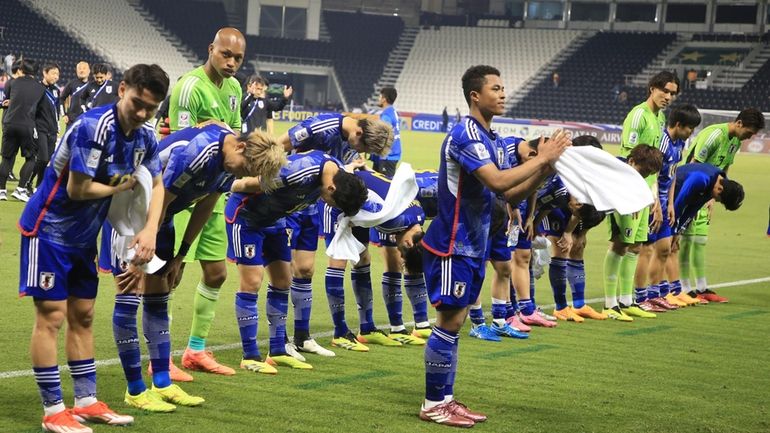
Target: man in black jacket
x,y
256,109
101,91
19,131
46,121
70,94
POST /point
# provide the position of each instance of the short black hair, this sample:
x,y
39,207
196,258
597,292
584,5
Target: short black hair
x,y
350,192
100,68
686,115
732,194
647,158
587,140
256,78
751,118
50,65
535,142
15,66
659,80
149,77
474,79
28,66
413,255
390,94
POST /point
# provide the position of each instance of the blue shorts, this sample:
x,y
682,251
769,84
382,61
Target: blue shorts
x,y
497,248
110,262
453,281
523,243
665,230
382,239
554,223
49,271
329,226
302,230
257,246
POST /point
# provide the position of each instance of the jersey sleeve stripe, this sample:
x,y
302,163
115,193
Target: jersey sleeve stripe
x,y
102,125
315,127
637,117
296,177
184,95
204,157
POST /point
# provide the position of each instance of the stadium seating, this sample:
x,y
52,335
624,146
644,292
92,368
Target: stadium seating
x,y
756,93
30,35
592,77
118,31
430,79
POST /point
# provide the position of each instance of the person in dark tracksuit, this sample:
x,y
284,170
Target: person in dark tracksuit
x,y
101,91
19,131
70,94
46,122
257,109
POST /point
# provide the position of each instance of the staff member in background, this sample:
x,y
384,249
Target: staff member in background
x,y
70,94
256,109
387,165
101,91
19,131
46,122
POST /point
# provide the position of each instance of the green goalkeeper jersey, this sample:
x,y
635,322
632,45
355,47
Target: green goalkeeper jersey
x,y
642,126
196,99
714,145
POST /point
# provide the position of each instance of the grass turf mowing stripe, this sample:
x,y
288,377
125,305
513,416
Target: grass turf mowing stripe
x,y
517,351
647,330
341,380
744,314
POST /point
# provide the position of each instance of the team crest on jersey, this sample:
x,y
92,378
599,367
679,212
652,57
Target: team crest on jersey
x,y
108,89
250,251
47,280
628,232
261,104
233,102
139,156
459,289
732,149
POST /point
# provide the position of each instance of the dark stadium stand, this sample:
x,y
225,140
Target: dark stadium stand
x,y
588,78
359,47
28,34
756,93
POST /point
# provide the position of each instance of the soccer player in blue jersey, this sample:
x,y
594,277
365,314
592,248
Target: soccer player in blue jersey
x,y
94,160
697,184
342,137
199,164
397,234
387,165
661,295
455,243
256,231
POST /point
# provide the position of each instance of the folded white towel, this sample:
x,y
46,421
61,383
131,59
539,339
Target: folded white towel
x,y
595,177
403,189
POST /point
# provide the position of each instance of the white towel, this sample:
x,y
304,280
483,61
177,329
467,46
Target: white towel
x,y
595,177
403,189
128,216
541,255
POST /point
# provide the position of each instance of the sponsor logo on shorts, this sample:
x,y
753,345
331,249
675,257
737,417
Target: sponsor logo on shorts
x,y
250,251
628,232
459,289
47,280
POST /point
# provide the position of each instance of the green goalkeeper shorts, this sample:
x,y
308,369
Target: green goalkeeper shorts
x,y
630,230
700,224
211,243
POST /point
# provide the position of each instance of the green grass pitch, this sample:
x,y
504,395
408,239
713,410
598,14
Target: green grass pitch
x,y
704,369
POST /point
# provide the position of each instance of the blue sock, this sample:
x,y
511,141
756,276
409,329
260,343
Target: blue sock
x,y
277,310
158,337
49,384
676,287
335,295
247,315
526,307
664,288
532,285
362,290
510,310
414,286
449,388
302,299
557,274
391,294
477,315
126,335
641,294
576,275
653,291
499,310
83,374
512,293
438,362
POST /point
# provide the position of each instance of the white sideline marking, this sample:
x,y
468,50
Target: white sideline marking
x,y
116,361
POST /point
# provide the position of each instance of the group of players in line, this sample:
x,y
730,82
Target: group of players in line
x,y
490,196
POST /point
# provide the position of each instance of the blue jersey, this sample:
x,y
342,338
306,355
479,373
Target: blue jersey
x,y
512,147
552,195
296,187
380,185
96,147
193,165
390,116
324,133
464,203
695,183
672,154
427,181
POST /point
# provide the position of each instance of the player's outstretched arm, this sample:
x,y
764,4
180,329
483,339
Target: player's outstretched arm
x,y
81,186
247,185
